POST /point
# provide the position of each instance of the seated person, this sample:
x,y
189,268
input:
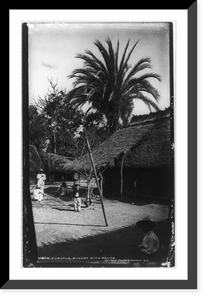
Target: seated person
x,y
64,189
37,193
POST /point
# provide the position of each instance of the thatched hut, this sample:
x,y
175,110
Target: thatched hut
x,y
139,152
146,158
142,152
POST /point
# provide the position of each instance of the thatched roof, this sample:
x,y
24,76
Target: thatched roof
x,y
145,144
121,142
154,149
152,117
57,163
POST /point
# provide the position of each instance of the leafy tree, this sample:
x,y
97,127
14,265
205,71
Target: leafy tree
x,y
51,107
109,86
37,128
63,122
58,119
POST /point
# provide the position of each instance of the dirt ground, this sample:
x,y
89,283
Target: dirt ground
x,y
62,233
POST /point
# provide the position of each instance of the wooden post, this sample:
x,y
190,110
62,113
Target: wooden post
x,y
88,176
101,183
121,188
96,177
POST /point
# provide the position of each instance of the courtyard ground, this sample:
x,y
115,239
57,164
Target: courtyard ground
x,y
62,233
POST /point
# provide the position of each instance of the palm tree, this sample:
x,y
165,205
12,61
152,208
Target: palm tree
x,y
109,86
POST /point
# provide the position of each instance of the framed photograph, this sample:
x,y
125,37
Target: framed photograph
x,y
97,162
108,150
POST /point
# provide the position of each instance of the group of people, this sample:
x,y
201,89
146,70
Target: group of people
x,y
38,191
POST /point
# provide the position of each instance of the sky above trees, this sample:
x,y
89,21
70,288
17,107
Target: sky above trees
x,y
53,47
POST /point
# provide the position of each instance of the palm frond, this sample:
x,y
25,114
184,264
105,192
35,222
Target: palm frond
x,y
142,64
111,59
87,60
92,92
104,54
130,53
104,90
111,96
148,87
116,58
82,71
88,110
121,66
75,91
85,76
78,102
124,66
148,101
149,75
97,61
110,50
137,84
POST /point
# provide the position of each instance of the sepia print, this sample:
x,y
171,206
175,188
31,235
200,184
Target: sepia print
x,y
98,141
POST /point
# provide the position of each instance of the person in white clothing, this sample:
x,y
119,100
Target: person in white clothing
x,y
37,194
41,178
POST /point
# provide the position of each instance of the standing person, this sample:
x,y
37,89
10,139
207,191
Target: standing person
x,y
41,177
77,198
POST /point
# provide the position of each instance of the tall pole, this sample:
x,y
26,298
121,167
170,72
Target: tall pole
x,y
121,188
101,183
96,177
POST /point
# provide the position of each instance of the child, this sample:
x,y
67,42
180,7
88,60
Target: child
x,y
77,198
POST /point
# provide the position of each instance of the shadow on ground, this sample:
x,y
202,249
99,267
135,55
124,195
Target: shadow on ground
x,y
121,244
139,200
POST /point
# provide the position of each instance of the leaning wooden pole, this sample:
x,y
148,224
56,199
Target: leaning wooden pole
x,y
101,183
96,177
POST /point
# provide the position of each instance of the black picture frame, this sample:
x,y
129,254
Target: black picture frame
x,y
191,282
